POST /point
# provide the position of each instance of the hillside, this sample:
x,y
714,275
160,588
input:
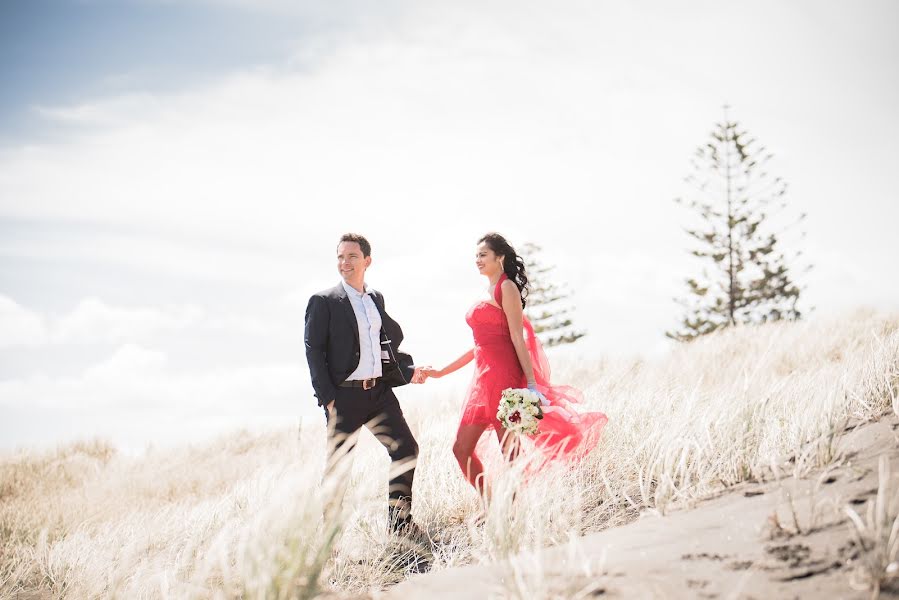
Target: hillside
x,y
764,409
782,538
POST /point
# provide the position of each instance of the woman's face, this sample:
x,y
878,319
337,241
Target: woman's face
x,y
488,262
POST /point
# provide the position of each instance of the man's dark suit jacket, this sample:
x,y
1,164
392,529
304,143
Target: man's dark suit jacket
x,y
332,339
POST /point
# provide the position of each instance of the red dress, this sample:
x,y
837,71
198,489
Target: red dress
x,y
563,432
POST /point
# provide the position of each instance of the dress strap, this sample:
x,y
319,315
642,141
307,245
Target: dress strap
x,y
498,290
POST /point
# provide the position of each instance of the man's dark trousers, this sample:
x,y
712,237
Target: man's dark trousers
x,y
380,410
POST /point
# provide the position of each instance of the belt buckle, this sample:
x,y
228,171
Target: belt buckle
x,y
367,384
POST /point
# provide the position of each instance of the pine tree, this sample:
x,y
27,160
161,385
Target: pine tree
x,y
747,278
546,309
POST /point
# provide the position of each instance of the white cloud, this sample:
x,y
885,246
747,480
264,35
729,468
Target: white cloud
x,y
110,112
192,259
133,397
394,125
127,363
459,120
20,326
94,321
464,115
135,378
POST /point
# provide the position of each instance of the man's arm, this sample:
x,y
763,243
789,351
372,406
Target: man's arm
x,y
316,338
393,329
394,332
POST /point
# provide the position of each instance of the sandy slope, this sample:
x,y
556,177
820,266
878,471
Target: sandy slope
x,y
725,547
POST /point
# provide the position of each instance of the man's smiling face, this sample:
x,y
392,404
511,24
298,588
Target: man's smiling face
x,y
351,264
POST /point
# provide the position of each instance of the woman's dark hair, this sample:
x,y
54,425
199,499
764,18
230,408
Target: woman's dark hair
x,y
513,265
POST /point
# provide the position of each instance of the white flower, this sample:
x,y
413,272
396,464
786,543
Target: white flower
x,y
526,404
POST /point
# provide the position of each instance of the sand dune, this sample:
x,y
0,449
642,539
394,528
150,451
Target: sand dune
x,y
729,546
709,454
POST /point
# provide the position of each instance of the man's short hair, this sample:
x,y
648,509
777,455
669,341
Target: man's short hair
x,y
359,239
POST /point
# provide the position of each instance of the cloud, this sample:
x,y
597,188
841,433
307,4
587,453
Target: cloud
x,y
459,114
135,379
94,321
127,363
20,326
195,259
377,128
110,112
134,397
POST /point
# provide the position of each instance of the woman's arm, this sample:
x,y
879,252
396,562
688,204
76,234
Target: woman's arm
x,y
515,317
453,366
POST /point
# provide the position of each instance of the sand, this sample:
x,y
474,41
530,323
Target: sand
x,y
727,546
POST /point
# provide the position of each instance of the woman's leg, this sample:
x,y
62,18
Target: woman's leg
x,y
464,450
507,441
510,445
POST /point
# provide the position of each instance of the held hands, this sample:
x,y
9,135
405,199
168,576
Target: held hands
x,y
533,387
420,375
423,373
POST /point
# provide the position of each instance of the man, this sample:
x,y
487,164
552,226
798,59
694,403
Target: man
x,y
349,339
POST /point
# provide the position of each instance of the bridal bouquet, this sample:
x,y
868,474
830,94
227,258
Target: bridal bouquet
x,y
519,411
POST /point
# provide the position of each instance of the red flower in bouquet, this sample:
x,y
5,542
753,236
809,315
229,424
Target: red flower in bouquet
x,y
519,411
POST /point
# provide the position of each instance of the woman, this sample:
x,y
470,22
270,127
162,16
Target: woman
x,y
507,354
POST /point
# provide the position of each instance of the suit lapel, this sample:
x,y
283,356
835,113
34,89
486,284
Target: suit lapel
x,y
385,318
379,303
348,311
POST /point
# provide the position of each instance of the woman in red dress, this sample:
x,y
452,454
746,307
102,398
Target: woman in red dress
x,y
507,354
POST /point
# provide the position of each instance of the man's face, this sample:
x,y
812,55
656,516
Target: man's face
x,y
351,263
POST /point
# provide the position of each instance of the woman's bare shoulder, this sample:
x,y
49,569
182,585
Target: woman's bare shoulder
x,y
509,293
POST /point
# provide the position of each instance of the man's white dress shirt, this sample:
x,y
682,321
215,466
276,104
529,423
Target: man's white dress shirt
x,y
369,321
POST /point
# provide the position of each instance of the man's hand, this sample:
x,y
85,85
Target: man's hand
x,y
330,406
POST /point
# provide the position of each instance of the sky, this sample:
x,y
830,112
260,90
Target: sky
x,y
174,175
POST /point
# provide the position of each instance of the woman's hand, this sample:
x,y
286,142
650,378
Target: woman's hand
x,y
432,372
450,368
543,401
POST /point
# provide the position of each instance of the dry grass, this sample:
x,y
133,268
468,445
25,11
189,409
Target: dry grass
x,y
243,517
877,536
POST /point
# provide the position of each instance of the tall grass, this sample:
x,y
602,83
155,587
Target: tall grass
x,y
248,516
877,536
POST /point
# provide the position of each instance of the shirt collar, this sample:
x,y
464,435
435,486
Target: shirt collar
x,y
350,290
